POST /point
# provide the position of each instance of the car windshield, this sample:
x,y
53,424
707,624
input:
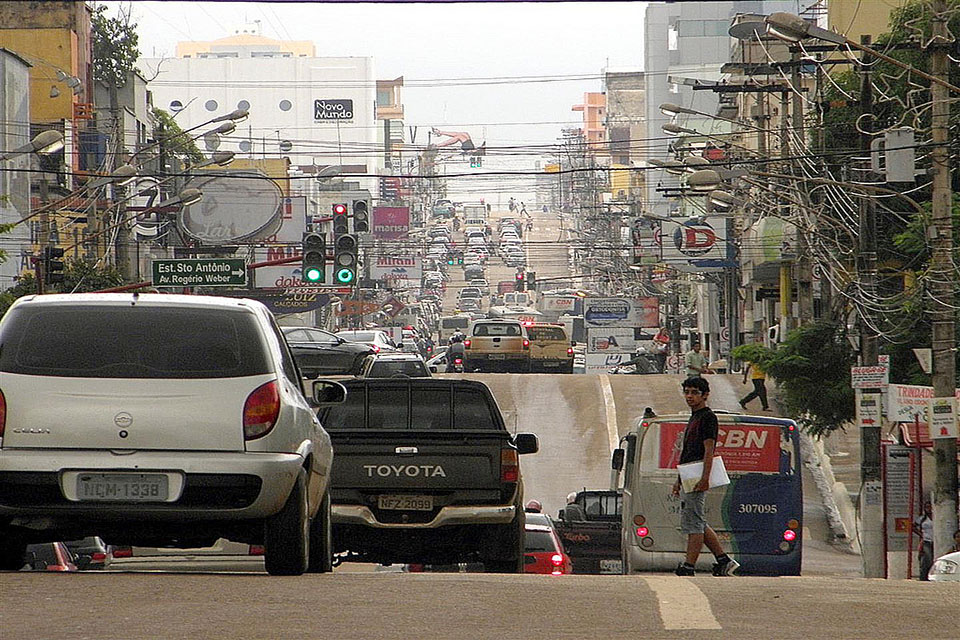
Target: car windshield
x,y
146,341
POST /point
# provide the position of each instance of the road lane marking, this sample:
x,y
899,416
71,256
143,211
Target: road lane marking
x,y
682,604
612,432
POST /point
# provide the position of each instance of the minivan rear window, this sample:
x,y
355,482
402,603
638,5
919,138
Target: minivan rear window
x,y
101,341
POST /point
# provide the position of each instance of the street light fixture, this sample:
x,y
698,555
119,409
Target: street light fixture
x,y
44,143
237,115
704,180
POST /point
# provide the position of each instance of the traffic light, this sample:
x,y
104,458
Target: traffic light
x,y
531,280
52,265
520,282
361,216
345,260
340,220
314,264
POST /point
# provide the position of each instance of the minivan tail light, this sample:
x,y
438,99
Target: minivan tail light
x,y
260,411
509,465
3,413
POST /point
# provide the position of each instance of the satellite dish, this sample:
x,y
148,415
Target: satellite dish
x,y
746,30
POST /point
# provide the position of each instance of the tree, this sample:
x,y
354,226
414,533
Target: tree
x,y
78,277
173,139
812,369
115,46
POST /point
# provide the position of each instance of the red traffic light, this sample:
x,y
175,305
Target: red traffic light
x,y
519,276
339,209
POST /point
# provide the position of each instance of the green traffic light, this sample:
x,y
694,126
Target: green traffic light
x,y
313,274
345,276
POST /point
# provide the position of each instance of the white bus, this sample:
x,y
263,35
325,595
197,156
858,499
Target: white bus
x,y
758,516
449,325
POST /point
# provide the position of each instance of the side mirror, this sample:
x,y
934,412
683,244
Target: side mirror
x,y
433,368
617,461
327,393
526,443
573,343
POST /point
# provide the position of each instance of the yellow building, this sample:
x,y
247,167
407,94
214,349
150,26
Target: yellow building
x,y
854,18
246,36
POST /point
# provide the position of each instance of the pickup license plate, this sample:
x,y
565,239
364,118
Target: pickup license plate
x,y
405,503
497,356
611,566
122,487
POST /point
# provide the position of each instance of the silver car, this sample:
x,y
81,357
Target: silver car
x,y
160,420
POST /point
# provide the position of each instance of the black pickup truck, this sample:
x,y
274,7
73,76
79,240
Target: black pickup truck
x,y
590,531
425,471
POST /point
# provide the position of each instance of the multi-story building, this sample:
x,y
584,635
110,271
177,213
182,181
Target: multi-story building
x,y
14,175
316,111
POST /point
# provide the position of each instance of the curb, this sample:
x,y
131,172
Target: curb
x,y
836,499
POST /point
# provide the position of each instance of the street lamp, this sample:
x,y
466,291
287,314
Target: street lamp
x,y
792,29
673,167
704,181
44,143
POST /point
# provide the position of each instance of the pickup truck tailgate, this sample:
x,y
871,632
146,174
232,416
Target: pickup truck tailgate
x,y
417,461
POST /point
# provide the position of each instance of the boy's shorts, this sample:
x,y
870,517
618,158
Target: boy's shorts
x,y
691,512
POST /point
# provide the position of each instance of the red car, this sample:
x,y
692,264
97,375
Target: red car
x,y
543,551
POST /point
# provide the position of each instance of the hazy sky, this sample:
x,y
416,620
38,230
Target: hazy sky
x,y
442,42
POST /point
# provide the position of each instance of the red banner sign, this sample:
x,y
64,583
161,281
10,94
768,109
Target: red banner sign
x,y
390,223
744,447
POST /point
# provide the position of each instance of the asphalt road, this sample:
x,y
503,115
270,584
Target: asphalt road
x,y
464,606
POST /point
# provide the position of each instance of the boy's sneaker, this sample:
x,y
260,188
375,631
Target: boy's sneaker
x,y
727,567
683,570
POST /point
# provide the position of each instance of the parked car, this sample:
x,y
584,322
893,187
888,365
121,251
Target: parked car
x,y
394,365
375,338
320,352
48,556
946,568
543,552
90,553
202,397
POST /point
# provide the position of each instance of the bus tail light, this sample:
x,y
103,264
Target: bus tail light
x,y
261,410
789,535
509,465
642,532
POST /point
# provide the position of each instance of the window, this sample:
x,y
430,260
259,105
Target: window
x,y
430,408
497,330
534,541
546,333
384,97
245,145
243,104
132,342
211,105
347,415
388,408
285,105
471,410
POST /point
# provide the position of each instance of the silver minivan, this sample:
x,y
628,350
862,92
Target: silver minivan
x,y
160,420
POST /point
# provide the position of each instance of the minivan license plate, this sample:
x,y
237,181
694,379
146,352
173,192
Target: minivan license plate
x,y
122,487
497,356
405,503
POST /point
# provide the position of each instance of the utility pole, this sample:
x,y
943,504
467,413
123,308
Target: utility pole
x,y
804,267
942,286
122,242
786,265
871,510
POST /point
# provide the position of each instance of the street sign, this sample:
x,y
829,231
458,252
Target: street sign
x,y
943,423
203,272
874,377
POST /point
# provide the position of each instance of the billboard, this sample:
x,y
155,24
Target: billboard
x,y
697,244
621,312
397,271
611,340
293,220
391,223
236,206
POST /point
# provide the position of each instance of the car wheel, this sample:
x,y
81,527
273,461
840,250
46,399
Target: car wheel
x,y
287,534
506,554
12,552
321,539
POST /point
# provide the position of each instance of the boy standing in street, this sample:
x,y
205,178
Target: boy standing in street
x,y
699,442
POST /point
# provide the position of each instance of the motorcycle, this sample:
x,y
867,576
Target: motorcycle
x,y
456,366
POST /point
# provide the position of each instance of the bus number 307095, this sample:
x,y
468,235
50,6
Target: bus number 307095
x,y
757,508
